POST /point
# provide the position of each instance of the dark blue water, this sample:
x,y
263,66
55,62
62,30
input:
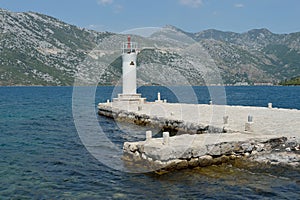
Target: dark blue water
x,y
282,97
42,156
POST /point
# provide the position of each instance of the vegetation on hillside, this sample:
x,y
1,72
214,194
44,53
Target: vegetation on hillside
x,y
293,81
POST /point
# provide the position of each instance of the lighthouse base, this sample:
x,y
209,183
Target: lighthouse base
x,y
130,98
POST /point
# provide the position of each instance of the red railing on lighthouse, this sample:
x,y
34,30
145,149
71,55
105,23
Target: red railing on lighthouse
x,y
129,47
128,42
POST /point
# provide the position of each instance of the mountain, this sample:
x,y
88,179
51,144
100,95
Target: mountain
x,y
262,55
40,50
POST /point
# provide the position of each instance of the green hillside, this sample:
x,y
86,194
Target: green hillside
x,y
293,81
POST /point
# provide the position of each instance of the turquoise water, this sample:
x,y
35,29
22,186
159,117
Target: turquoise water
x,y
42,156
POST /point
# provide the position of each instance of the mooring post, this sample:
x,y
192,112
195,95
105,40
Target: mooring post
x,y
249,124
107,101
250,118
166,138
140,108
270,105
148,135
142,101
159,98
225,119
225,122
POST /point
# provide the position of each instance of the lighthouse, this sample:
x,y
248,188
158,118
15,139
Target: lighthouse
x,y
129,54
129,65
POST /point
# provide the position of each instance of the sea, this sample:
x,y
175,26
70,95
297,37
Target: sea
x,y
43,157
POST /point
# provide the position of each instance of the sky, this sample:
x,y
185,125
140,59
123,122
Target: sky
x,y
279,16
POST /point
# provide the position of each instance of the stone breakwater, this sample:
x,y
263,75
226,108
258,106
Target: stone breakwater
x,y
189,151
192,118
165,123
265,135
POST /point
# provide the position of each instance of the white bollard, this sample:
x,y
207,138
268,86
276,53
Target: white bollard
x,y
158,97
148,135
210,102
250,118
270,105
107,101
249,124
165,100
225,119
166,138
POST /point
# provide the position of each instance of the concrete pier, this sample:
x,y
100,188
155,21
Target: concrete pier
x,y
216,133
191,118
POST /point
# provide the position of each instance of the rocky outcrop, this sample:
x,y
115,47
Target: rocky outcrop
x,y
284,153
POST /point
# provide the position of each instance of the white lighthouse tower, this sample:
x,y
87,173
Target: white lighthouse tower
x,y
129,55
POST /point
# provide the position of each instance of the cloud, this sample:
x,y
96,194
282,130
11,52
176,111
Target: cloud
x,y
96,27
105,2
239,5
118,8
191,3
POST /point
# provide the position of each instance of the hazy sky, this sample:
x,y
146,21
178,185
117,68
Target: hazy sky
x,y
279,16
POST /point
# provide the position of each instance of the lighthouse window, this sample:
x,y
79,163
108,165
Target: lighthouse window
x,y
132,63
